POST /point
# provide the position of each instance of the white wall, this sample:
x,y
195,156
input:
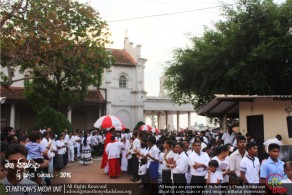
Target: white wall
x,y
274,117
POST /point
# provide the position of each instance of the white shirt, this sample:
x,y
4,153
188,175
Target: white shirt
x,y
215,176
124,135
181,164
77,139
136,144
169,155
99,138
60,143
143,152
154,153
129,149
206,140
234,143
157,137
225,161
194,158
42,131
53,148
66,138
94,140
142,169
251,169
113,149
270,141
45,142
287,180
234,161
71,142
228,139
203,145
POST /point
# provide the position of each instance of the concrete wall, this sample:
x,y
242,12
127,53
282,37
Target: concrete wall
x,y
274,117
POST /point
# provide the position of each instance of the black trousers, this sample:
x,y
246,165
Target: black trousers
x,y
75,153
179,178
135,162
130,166
166,177
65,158
198,180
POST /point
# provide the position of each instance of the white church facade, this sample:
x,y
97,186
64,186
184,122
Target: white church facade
x,y
123,85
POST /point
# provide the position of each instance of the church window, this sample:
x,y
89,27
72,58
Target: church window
x,y
123,81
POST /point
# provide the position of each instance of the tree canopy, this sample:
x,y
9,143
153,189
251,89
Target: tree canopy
x,y
249,53
58,45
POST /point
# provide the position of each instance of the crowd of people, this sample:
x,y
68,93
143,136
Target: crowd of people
x,y
45,153
193,158
184,158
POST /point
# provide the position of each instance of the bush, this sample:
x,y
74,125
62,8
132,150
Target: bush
x,y
138,125
49,117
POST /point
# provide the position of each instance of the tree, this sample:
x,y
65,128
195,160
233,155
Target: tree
x,y
248,53
48,117
12,8
60,46
138,125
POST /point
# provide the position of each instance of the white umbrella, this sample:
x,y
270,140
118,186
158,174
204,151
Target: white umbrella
x,y
120,127
108,122
155,130
145,128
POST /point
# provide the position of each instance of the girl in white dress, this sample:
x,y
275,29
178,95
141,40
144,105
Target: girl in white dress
x,y
85,150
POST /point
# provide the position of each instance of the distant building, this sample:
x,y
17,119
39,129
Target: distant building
x,y
263,117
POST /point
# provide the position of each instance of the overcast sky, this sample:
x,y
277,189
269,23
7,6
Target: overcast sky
x,y
158,35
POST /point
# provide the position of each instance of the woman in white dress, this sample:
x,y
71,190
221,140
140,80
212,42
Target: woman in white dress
x,y
85,150
223,161
124,161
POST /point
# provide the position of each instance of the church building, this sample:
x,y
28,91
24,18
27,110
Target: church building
x,y
121,94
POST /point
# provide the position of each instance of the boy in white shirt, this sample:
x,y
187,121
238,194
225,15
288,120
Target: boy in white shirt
x,y
250,165
152,159
214,175
142,173
71,142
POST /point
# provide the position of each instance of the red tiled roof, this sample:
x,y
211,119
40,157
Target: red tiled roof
x,y
122,57
94,96
13,93
17,94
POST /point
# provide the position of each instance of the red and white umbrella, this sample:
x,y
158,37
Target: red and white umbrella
x,y
145,128
108,121
155,130
119,128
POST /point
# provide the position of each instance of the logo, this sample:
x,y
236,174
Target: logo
x,y
274,184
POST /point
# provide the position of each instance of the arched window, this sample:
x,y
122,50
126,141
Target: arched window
x,y
122,81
